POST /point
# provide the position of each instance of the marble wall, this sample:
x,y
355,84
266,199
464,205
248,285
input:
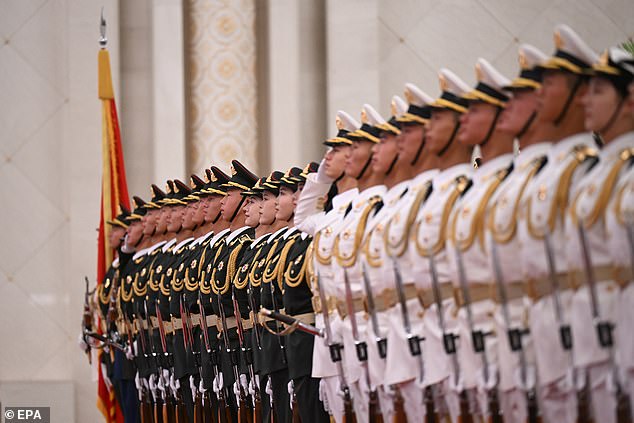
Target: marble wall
x,y
410,40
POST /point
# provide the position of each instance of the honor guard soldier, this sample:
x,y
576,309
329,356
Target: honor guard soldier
x,y
245,279
404,318
274,363
296,278
348,269
222,273
133,359
540,228
516,359
377,277
320,210
595,301
468,265
441,367
107,292
211,244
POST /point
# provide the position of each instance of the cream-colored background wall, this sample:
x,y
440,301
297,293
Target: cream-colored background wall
x,y
311,59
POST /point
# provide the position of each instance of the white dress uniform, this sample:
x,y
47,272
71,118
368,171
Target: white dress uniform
x,y
381,280
347,260
324,226
502,224
465,241
544,204
404,369
501,227
588,208
620,214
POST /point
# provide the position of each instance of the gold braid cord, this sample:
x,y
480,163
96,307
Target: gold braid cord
x,y
350,259
504,235
477,220
397,249
560,202
231,267
323,259
460,185
281,264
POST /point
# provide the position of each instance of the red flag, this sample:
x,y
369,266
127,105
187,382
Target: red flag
x,y
114,191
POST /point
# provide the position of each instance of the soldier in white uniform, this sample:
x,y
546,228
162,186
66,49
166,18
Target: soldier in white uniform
x,y
403,367
322,224
386,161
540,227
429,234
516,373
468,266
347,264
585,226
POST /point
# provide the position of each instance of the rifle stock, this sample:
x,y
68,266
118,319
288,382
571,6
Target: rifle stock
x,y
374,408
349,416
430,410
465,415
399,407
257,411
494,406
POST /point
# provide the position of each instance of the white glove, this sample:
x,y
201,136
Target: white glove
x,y
218,383
531,378
201,387
321,174
139,386
484,384
245,385
458,385
269,390
291,392
252,385
161,382
82,343
323,395
153,386
174,385
192,386
106,379
125,247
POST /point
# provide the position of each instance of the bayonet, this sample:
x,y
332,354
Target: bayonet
x,y
381,341
103,41
514,335
361,348
478,339
335,355
449,339
604,328
292,322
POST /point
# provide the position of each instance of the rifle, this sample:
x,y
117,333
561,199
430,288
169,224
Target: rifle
x,y
233,355
188,345
146,402
478,340
292,323
86,324
168,406
514,336
335,356
159,403
565,334
604,330
381,341
413,343
224,413
449,339
243,410
255,321
362,353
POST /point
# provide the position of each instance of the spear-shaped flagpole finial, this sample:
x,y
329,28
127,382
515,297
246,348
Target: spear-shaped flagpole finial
x,y
102,29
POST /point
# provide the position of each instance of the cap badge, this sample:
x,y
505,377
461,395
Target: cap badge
x,y
559,42
523,60
364,116
478,71
339,123
393,109
443,82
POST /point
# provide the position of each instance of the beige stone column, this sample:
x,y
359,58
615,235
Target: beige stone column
x,y
220,83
